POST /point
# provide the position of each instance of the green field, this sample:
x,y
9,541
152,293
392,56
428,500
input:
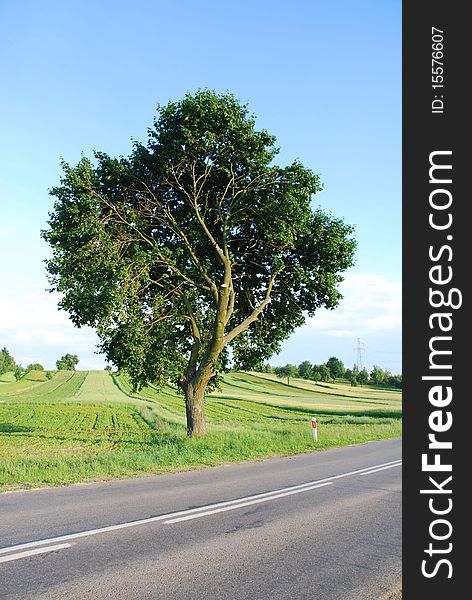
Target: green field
x,y
89,425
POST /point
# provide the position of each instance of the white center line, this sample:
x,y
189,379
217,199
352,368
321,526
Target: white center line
x,y
181,513
243,504
19,555
382,469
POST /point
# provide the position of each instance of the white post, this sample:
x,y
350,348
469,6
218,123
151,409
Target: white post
x,y
314,429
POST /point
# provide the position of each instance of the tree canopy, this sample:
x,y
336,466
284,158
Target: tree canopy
x,y
305,369
336,367
287,371
321,372
195,243
68,362
19,372
7,362
35,367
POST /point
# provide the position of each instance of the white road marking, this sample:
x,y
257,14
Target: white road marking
x,y
170,516
382,469
19,555
243,504
294,490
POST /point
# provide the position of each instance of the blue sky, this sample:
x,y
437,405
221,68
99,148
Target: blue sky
x,y
323,76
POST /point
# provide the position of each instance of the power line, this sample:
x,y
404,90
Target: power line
x,y
360,348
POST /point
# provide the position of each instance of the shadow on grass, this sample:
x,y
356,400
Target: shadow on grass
x,y
390,414
297,410
12,428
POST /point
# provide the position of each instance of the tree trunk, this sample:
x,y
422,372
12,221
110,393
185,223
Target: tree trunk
x,y
196,382
195,411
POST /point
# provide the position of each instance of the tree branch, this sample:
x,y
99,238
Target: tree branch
x,y
253,316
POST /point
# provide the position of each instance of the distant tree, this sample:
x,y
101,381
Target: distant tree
x,y
399,380
49,375
67,363
386,378
34,367
286,371
267,368
394,381
7,362
108,368
377,375
305,370
19,372
363,377
322,372
195,244
336,367
352,375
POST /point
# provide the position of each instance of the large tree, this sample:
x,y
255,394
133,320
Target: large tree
x,y
195,243
68,362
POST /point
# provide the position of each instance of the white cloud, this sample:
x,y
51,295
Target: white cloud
x,y
371,303
34,330
370,311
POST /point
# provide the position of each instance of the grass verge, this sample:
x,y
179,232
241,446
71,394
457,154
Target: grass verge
x,y
48,442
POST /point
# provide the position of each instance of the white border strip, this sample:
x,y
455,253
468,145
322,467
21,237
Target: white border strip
x,y
382,469
19,555
243,504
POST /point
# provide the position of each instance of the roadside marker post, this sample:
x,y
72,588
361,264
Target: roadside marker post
x,y
314,429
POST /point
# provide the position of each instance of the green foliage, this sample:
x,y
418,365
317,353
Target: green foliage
x,y
384,378
305,370
7,362
336,367
35,367
286,371
68,362
322,372
194,243
363,377
349,374
395,380
49,375
19,372
377,375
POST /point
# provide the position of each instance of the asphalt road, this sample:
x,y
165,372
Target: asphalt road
x,y
320,526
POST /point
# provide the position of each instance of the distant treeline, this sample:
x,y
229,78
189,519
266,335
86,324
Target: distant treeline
x,y
9,365
334,369
329,371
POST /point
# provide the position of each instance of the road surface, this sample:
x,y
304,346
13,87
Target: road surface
x,y
319,526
